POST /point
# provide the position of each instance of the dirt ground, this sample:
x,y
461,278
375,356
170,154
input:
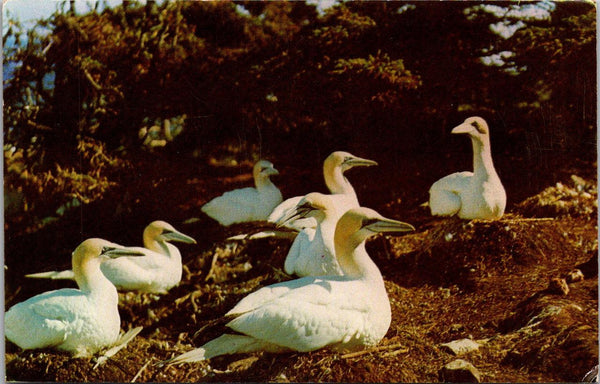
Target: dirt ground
x,y
449,280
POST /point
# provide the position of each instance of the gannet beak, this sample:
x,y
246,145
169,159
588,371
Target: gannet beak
x,y
359,162
272,172
384,225
301,211
463,128
177,236
114,252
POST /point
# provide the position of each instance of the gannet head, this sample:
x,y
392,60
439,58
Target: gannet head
x,y
345,161
88,256
475,127
100,248
314,204
357,224
162,231
263,169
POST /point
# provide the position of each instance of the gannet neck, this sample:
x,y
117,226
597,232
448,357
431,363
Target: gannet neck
x,y
334,167
482,157
151,236
153,242
263,182
335,179
326,227
351,232
88,275
164,248
357,264
86,261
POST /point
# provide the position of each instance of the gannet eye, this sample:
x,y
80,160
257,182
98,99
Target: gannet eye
x,y
478,126
307,207
107,249
347,159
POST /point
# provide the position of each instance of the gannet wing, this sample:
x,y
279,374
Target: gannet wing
x,y
300,246
234,206
444,194
57,304
306,318
44,320
266,294
282,209
149,261
131,274
456,182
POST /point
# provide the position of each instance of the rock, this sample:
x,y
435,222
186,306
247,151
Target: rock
x,y
574,276
460,347
558,285
460,371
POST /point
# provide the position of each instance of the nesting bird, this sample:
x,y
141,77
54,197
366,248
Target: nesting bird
x,y
345,198
471,195
313,251
157,271
80,321
247,204
340,312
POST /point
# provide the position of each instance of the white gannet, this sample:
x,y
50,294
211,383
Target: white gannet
x,y
334,167
471,195
80,321
157,271
313,253
341,312
247,204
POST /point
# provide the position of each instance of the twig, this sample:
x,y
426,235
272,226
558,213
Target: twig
x,y
45,50
137,375
9,299
396,352
38,126
375,349
213,263
98,87
515,220
191,297
91,80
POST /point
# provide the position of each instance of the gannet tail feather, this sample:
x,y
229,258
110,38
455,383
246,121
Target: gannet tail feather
x,y
264,234
54,275
226,344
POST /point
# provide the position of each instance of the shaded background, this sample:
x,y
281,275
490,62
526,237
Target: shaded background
x,y
122,115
